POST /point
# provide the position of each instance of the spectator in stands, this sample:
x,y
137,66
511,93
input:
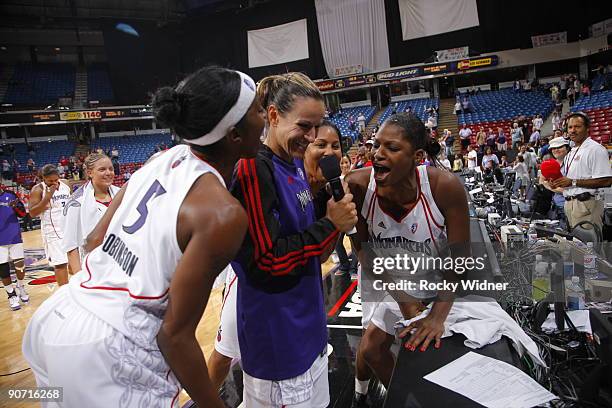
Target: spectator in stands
x,y
517,135
554,92
537,122
458,162
559,148
449,141
571,96
586,169
576,84
556,121
516,86
466,105
481,138
64,161
443,159
491,139
127,175
31,165
458,108
527,85
472,158
502,145
61,169
522,173
362,122
464,134
586,91
503,162
530,159
544,146
432,122
535,136
114,154
115,162
351,122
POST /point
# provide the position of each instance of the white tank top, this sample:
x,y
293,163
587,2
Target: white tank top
x,y
424,223
125,281
52,219
420,232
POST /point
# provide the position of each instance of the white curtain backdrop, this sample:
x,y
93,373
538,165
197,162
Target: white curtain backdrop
x,y
422,18
278,45
353,32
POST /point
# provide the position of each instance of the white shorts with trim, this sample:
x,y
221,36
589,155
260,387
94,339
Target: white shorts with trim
x,y
97,366
385,314
226,341
11,252
55,252
308,390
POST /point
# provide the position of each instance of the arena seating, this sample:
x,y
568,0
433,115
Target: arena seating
x,y
599,108
493,109
98,83
133,149
419,106
40,84
341,119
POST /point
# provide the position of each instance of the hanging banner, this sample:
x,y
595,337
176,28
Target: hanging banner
x,y
452,54
549,39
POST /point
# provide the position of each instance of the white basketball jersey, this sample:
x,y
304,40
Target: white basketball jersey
x,y
420,230
125,281
52,219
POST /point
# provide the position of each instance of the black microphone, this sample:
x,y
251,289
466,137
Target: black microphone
x,y
330,167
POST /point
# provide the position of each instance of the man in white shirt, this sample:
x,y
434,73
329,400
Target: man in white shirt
x,y
537,122
362,122
472,158
587,169
465,133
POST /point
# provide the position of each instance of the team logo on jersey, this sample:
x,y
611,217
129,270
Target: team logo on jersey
x,y
381,225
304,197
178,161
219,334
300,173
289,179
414,227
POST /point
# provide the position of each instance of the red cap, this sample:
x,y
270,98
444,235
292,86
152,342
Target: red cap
x,y
551,169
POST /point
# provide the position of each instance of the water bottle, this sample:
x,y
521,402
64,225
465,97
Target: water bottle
x,y
590,263
575,295
541,280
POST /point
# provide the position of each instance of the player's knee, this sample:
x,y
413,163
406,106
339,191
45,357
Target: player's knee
x,y
373,343
5,271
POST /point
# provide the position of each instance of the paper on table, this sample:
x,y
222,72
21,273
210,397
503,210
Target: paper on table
x,y
580,319
490,382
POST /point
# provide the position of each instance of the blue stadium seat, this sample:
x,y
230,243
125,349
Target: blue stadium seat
x,y
133,149
40,84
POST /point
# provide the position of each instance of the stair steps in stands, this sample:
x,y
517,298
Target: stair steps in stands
x,y
448,120
80,88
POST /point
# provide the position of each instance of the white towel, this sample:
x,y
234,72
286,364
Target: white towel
x,y
482,321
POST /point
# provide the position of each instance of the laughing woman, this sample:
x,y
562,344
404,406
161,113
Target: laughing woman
x,y
86,206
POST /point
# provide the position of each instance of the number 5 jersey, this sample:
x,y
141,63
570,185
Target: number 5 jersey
x,y
125,281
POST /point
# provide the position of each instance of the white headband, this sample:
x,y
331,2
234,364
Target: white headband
x,y
233,116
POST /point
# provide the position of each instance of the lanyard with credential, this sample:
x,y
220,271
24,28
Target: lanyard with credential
x,y
567,168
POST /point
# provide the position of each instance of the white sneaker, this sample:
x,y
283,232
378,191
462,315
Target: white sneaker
x,y
23,294
14,302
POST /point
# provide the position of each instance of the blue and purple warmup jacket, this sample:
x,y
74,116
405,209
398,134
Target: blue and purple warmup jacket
x,y
280,312
10,233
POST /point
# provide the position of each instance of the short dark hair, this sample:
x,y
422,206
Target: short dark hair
x,y
48,170
584,116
